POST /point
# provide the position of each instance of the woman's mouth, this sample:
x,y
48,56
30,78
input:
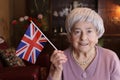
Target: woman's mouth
x,y
83,44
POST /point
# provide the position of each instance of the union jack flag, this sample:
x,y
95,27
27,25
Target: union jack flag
x,y
31,44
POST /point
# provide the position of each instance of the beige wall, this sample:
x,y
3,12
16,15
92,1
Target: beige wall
x,y
10,9
4,18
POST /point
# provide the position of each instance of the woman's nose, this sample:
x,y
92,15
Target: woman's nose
x,y
83,36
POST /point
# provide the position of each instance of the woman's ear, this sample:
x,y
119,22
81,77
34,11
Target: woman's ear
x,y
97,40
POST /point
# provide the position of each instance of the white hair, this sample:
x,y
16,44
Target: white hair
x,y
87,15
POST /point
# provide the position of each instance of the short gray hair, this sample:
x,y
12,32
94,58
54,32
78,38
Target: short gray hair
x,y
84,14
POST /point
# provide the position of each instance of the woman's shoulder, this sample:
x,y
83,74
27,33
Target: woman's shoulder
x,y
107,52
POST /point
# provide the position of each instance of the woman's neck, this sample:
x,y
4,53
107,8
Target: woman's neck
x,y
84,59
79,54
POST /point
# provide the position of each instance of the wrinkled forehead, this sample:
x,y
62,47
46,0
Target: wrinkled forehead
x,y
81,24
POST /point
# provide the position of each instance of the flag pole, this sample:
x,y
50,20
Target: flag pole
x,y
44,35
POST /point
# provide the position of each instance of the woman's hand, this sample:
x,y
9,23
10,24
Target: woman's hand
x,y
58,58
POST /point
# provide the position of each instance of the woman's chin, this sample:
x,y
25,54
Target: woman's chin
x,y
84,48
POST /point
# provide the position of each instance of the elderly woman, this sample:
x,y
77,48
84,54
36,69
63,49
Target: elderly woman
x,y
84,60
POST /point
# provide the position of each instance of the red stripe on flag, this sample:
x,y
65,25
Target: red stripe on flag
x,y
32,44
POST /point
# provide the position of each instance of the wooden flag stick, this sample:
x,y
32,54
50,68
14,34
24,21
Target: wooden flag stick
x,y
44,36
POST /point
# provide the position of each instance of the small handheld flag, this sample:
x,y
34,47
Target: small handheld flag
x,y
32,44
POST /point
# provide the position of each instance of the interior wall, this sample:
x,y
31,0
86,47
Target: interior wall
x,y
4,18
10,9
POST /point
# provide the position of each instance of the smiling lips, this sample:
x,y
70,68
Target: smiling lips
x,y
83,44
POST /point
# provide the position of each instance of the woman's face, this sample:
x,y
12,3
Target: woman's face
x,y
84,37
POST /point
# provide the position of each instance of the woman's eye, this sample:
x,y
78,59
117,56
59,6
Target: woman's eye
x,y
76,32
89,31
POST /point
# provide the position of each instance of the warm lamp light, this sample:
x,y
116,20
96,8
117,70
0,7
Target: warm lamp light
x,y
117,11
116,15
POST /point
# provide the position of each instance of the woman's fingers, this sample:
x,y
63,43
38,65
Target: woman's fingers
x,y
57,55
58,58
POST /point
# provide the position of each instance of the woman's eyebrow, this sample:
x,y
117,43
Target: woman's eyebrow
x,y
89,28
